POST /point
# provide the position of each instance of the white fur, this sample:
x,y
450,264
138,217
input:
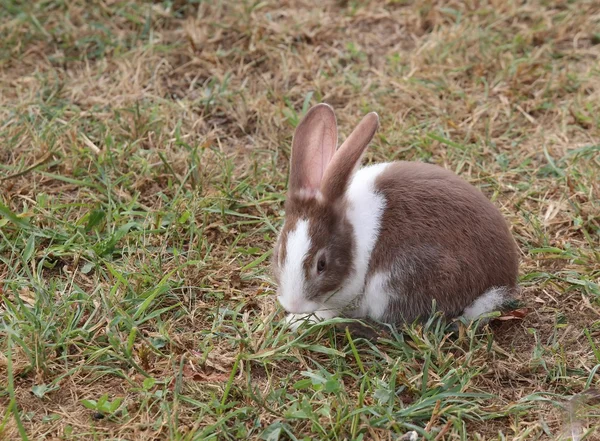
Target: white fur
x,y
291,289
364,213
305,193
487,302
376,297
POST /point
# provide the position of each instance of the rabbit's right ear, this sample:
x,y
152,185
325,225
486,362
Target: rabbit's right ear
x,y
313,146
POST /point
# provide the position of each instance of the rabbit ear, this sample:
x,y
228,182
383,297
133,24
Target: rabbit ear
x,y
347,159
313,146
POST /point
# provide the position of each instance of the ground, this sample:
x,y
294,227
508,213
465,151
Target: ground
x,y
144,152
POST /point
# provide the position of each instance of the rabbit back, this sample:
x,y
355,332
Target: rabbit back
x,y
439,239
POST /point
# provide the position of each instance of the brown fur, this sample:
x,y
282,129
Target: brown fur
x,y
441,239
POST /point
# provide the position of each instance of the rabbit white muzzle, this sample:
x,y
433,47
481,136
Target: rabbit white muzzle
x,y
291,293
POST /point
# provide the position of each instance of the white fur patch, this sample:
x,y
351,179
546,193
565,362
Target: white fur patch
x,y
364,213
376,297
291,289
306,194
487,302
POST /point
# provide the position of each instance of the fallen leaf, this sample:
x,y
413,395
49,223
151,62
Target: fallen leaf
x,y
515,314
203,377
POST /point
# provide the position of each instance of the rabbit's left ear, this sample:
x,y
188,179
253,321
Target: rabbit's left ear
x,y
347,158
313,147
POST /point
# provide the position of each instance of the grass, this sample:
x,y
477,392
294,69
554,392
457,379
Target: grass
x,y
143,164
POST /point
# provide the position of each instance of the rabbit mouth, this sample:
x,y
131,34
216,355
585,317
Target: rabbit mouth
x,y
307,306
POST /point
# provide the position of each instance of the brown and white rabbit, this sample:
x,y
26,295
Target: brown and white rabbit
x,y
383,241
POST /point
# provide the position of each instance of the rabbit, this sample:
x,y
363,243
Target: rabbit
x,y
384,241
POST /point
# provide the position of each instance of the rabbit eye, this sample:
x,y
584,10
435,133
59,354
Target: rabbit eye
x,y
321,265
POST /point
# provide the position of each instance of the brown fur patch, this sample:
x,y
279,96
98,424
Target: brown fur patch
x,y
441,239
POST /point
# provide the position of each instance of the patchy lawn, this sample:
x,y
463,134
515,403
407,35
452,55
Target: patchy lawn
x,y
143,164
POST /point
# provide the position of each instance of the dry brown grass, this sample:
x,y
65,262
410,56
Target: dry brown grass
x,y
177,118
